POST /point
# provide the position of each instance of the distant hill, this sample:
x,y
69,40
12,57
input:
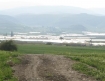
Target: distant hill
x,y
9,23
52,23
65,21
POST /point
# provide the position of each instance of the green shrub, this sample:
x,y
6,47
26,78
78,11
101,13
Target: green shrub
x,y
48,43
8,46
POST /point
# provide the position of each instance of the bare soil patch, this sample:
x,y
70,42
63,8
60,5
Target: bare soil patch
x,y
47,68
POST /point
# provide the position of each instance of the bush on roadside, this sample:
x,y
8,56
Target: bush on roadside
x,y
8,46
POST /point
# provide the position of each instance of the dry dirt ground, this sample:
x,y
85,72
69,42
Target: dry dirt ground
x,y
47,68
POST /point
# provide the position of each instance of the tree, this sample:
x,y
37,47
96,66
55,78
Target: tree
x,y
61,38
8,46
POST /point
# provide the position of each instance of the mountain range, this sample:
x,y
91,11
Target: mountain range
x,y
51,19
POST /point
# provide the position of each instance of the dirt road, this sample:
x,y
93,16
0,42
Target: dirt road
x,y
47,68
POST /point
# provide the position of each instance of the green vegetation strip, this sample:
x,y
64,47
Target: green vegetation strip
x,y
90,64
89,71
7,59
90,60
55,49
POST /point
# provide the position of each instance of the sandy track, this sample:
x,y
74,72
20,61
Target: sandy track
x,y
47,68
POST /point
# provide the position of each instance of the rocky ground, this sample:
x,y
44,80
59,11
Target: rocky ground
x,y
47,68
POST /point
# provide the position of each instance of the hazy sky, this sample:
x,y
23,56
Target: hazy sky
x,y
6,4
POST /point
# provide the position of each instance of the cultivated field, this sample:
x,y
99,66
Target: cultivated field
x,y
86,60
90,60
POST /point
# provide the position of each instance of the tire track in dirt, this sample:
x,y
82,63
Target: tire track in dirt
x,y
47,68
